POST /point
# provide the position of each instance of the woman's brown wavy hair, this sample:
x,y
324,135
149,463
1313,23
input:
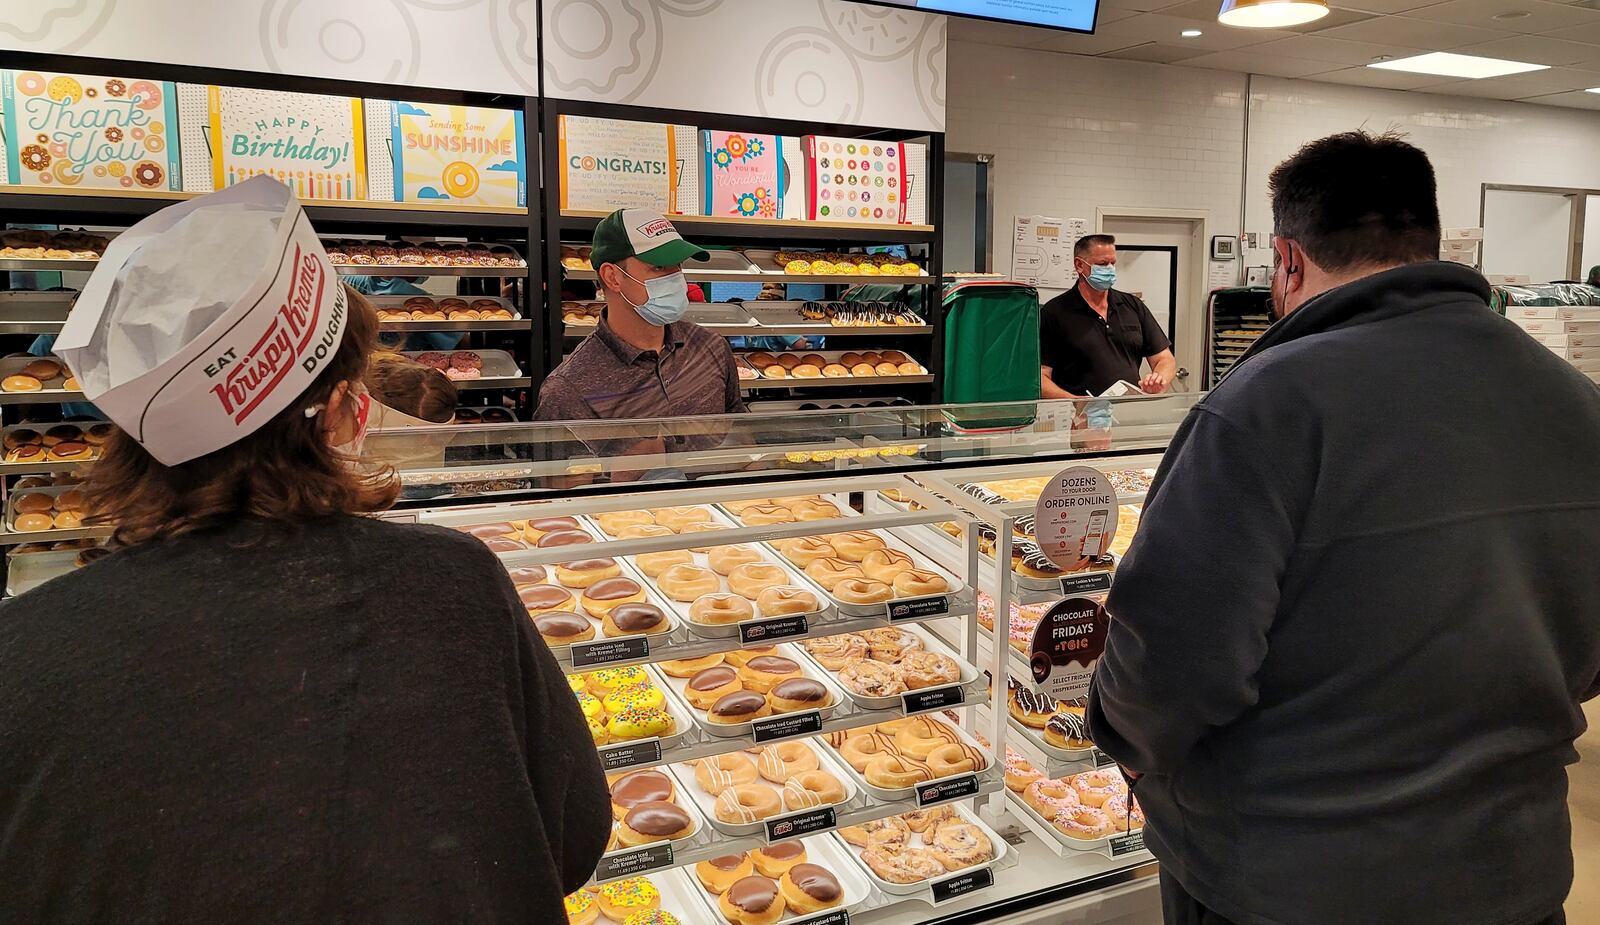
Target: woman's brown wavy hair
x,y
285,471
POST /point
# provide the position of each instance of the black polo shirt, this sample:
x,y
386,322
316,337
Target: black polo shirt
x,y
1086,354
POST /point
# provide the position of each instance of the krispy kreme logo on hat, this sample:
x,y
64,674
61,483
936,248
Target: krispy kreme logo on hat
x,y
249,379
656,227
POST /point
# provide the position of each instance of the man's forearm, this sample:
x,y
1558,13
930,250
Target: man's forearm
x,y
1049,389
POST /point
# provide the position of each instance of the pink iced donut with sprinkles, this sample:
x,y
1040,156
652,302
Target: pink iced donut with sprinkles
x,y
1116,809
1094,788
1083,822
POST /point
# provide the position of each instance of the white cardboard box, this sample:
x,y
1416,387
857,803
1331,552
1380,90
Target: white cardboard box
x,y
1510,279
1556,342
1463,234
1586,314
1557,326
1460,246
1465,258
1586,366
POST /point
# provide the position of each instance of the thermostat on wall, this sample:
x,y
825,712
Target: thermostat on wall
x,y
1224,247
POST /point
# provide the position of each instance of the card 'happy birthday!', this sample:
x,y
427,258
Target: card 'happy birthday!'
x,y
312,143
65,130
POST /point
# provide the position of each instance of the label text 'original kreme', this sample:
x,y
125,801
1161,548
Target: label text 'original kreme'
x,y
287,341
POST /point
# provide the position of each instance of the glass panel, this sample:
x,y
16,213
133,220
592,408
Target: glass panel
x,y
576,456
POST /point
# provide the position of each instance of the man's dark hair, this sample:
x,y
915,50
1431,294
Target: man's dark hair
x,y
1090,241
1356,198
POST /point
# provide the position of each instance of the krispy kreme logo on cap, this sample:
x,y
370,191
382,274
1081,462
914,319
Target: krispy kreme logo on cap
x,y
656,227
249,379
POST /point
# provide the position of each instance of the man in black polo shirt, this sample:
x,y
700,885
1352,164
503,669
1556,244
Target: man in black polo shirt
x,y
1093,336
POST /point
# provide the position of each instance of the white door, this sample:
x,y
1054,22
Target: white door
x,y
1526,232
1184,305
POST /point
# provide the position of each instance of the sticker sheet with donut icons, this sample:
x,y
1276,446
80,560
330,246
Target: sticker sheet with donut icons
x,y
856,181
66,130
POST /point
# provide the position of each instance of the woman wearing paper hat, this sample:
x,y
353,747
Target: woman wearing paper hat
x,y
260,706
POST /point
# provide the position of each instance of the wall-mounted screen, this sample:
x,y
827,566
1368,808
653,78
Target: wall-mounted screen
x,y
1071,15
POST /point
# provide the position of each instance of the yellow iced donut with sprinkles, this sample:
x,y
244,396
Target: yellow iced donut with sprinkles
x,y
641,724
591,706
644,696
581,909
606,680
626,897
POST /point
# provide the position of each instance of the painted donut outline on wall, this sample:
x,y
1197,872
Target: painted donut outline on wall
x,y
443,6
279,23
516,40
864,28
79,20
624,77
687,8
803,39
929,72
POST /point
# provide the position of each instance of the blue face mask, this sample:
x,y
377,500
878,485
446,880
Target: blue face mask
x,y
667,298
1102,277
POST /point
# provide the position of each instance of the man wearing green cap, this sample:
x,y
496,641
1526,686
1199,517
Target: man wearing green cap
x,y
643,360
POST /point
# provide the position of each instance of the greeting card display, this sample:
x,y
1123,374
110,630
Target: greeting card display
x,y
457,154
742,175
611,164
856,181
79,130
314,144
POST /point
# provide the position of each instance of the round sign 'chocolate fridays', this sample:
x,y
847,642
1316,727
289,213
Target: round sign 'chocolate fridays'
x,y
1067,643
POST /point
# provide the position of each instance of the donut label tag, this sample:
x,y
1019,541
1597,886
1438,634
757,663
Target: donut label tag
x,y
1096,582
1065,647
918,608
633,862
836,917
961,884
943,791
1075,517
609,651
768,631
807,822
933,698
630,754
1103,760
786,726
1126,844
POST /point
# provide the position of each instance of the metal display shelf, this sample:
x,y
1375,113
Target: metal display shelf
x,y
18,263
495,382
515,324
831,279
41,397
408,269
755,385
13,538
763,330
760,229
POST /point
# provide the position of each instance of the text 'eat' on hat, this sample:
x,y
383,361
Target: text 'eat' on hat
x,y
644,234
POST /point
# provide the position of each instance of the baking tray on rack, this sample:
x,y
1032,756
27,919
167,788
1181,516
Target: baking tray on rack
x,y
53,388
499,367
969,674
808,669
926,886
1046,829
823,851
897,794
28,311
28,570
626,571
706,803
683,720
697,819
833,357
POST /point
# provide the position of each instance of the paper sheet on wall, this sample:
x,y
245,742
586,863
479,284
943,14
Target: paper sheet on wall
x,y
1222,274
1041,250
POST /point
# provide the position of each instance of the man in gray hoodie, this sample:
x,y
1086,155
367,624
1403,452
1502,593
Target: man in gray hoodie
x,y
1348,646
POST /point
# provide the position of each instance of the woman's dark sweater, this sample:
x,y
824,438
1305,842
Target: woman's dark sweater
x,y
351,722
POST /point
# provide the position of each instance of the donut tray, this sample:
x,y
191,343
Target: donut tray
x,y
909,793
926,886
682,719
697,819
1047,830
28,570
828,356
808,669
824,851
53,389
650,597
968,677
53,533
680,896
682,610
497,365
683,774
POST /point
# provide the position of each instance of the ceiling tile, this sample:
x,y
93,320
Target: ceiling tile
x,y
1542,16
1519,86
1334,51
1588,33
1165,27
1107,15
1376,77
1400,30
1156,52
1334,18
1538,49
1248,61
996,33
1141,6
1575,100
1102,41
1383,6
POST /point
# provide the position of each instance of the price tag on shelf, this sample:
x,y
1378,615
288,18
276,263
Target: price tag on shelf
x,y
836,917
766,632
794,825
1103,760
609,651
933,698
633,862
961,884
918,608
630,754
1126,844
943,791
1086,583
786,726
400,517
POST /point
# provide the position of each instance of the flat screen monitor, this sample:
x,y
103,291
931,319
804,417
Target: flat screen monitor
x,y
1069,15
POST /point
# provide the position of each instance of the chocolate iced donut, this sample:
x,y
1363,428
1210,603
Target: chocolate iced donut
x,y
531,575
742,703
803,690
561,624
752,894
613,588
637,618
564,538
816,882
641,787
657,818
485,531
712,678
544,597
773,664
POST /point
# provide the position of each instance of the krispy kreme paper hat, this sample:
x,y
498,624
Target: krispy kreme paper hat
x,y
644,234
204,321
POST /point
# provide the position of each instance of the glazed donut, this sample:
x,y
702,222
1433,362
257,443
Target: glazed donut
x,y
724,559
917,582
753,578
684,583
1082,822
653,822
890,832
929,669
616,520
776,860
701,528
799,694
638,531
887,369
806,550
873,679
896,772
738,657
742,804
806,371
652,564
717,874
604,596
583,573
780,762
908,368
809,888
623,898
884,564
859,749
709,685
1049,795
958,844
1094,788
956,758
758,515
774,372
807,509
689,667
675,518
720,772
634,619
861,591
835,371
904,865
921,735
835,652
739,707
720,609
863,369
812,788
855,545
829,572
760,358
763,673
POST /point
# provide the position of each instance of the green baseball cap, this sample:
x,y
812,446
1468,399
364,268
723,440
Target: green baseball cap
x,y
644,234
